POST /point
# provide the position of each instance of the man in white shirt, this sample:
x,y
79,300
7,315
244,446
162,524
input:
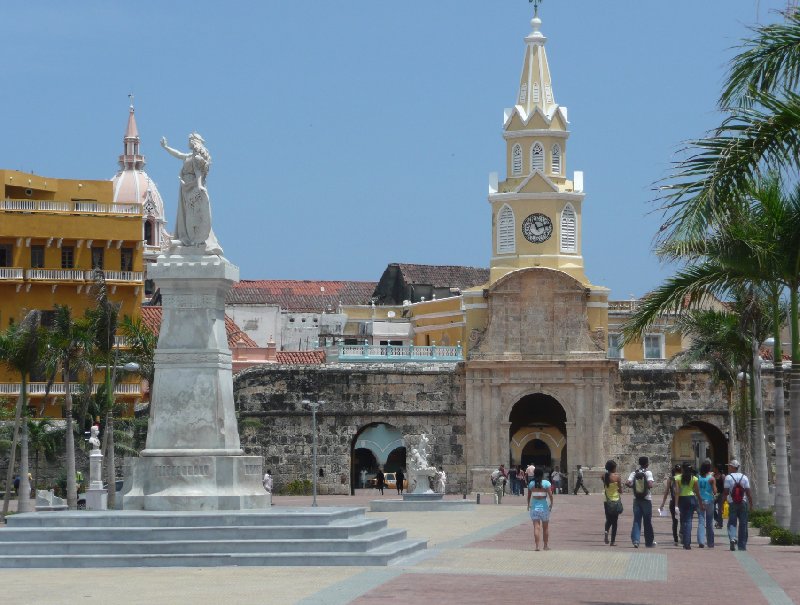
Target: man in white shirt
x,y
642,503
267,482
740,502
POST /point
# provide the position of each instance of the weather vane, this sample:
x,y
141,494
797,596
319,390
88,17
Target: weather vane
x,y
536,4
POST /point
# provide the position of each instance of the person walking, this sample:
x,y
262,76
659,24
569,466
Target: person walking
x,y
556,481
579,482
380,480
708,495
740,502
400,478
641,480
688,498
539,490
613,502
267,483
520,480
720,481
498,477
669,492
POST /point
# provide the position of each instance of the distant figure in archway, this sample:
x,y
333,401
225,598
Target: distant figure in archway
x,y
380,481
579,482
400,479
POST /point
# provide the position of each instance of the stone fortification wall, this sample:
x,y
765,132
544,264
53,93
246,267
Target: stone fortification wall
x,y
413,398
653,401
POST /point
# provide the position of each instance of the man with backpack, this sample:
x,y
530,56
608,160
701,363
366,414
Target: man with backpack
x,y
641,481
740,502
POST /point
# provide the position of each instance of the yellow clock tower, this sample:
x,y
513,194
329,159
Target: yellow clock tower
x,y
536,210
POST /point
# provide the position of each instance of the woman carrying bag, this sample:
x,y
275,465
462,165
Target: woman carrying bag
x,y
613,503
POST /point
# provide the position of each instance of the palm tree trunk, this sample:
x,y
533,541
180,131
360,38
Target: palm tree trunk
x,y
72,485
794,408
783,504
21,400
24,504
762,499
111,475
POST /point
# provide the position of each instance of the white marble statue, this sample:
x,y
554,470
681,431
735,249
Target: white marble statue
x,y
420,471
193,225
441,481
94,439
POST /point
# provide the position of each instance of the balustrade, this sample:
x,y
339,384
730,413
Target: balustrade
x,y
55,275
57,388
80,207
11,273
369,352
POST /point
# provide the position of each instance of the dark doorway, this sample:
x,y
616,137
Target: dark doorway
x,y
537,453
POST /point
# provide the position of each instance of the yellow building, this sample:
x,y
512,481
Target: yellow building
x,y
53,232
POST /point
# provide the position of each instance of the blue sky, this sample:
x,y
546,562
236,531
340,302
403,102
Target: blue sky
x,y
348,135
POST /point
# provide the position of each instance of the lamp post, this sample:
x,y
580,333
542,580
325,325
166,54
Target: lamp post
x,y
314,406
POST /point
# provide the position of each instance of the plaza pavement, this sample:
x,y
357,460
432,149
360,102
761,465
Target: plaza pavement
x,y
482,556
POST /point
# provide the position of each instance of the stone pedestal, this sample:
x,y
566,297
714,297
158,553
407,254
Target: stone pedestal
x,y
96,496
192,459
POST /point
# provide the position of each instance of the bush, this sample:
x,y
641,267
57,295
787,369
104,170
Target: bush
x,y
766,529
298,487
759,518
783,537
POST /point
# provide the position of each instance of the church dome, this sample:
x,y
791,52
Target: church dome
x,y
133,185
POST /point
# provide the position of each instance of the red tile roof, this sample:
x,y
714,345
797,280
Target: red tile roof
x,y
151,316
302,296
301,357
444,276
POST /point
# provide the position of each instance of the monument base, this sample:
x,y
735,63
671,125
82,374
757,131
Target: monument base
x,y
194,483
96,499
420,502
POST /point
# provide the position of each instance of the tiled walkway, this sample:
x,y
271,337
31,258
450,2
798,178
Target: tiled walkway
x,y
482,556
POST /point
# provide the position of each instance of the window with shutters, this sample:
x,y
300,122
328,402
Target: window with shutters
x,y
569,242
614,346
535,92
523,94
654,346
548,93
505,230
516,160
67,257
537,157
556,159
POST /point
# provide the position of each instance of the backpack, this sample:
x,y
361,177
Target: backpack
x,y
737,493
640,487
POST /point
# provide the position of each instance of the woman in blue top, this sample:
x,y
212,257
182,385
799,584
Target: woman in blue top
x,y
705,518
539,491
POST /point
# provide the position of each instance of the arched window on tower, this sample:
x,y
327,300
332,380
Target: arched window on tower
x,y
569,241
537,157
556,159
516,160
148,233
506,231
535,92
523,94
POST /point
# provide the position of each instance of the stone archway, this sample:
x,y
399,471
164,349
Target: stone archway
x,y
375,445
697,440
537,432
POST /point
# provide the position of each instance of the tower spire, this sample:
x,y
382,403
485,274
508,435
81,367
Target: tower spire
x,y
535,87
131,159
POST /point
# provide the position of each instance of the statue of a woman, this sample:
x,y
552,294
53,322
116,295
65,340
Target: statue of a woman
x,y
193,225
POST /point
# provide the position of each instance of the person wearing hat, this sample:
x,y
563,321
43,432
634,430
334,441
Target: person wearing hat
x,y
740,502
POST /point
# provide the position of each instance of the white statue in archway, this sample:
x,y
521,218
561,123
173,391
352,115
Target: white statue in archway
x,y
420,472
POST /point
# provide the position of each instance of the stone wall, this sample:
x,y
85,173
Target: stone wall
x,y
414,398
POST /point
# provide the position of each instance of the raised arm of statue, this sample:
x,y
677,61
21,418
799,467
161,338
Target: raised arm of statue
x,y
173,152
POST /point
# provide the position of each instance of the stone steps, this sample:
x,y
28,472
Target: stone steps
x,y
314,536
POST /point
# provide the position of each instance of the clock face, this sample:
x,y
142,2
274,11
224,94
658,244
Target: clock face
x,y
537,228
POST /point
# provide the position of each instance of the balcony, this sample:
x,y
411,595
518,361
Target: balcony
x,y
18,274
8,389
118,276
71,275
12,273
69,207
393,353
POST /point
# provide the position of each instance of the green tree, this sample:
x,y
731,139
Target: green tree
x,y
68,344
43,438
20,349
141,347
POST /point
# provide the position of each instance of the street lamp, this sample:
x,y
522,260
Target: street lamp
x,y
314,406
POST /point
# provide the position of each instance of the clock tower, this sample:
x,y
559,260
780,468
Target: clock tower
x,y
536,210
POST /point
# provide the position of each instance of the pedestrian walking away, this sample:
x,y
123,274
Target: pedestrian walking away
x,y
539,490
740,502
688,502
708,496
579,482
669,492
400,478
612,503
641,480
380,480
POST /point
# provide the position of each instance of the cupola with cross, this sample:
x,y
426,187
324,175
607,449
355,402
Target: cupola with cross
x,y
536,210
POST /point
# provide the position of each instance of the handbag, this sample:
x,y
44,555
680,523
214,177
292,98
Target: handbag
x,y
613,507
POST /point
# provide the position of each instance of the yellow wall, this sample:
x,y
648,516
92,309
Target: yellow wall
x,y
439,322
55,230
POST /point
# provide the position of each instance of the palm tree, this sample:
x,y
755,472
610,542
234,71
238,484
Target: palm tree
x,y
103,319
141,347
67,345
20,349
43,440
